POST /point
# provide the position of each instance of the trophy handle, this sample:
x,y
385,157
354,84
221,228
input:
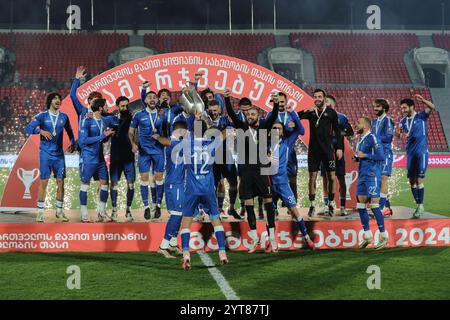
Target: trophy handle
x,y
19,173
38,172
356,175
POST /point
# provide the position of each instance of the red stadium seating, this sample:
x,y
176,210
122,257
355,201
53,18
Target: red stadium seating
x,y
357,58
357,102
244,46
54,55
442,40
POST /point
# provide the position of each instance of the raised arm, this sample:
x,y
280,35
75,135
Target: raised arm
x,y
270,120
297,130
234,118
429,105
79,107
145,85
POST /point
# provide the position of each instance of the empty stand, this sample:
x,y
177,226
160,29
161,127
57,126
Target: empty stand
x,y
357,58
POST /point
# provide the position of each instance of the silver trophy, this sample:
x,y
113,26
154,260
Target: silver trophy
x,y
191,102
27,177
350,177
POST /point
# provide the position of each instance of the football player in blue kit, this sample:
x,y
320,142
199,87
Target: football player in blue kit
x,y
414,127
50,126
370,155
198,155
151,152
383,128
280,183
173,187
93,132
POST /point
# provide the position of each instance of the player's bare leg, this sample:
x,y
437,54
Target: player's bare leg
x,y
101,208
42,190
145,177
295,213
60,200
312,192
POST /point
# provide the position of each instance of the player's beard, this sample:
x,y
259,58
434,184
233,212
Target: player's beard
x,y
359,130
321,105
379,113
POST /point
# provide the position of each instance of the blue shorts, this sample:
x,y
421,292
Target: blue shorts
x,y
416,165
116,168
284,192
339,170
90,170
174,196
369,188
80,165
192,201
155,162
386,166
57,166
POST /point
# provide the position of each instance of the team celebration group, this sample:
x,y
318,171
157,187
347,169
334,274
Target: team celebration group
x,y
185,152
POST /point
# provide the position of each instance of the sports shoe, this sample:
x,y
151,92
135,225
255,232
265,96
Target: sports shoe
x,y
232,212
85,220
223,214
147,214
103,218
128,216
382,242
331,210
365,242
309,242
272,246
417,213
61,216
157,212
253,246
223,257
387,212
175,250
152,211
40,217
114,215
186,261
242,213
201,216
260,213
166,253
344,212
311,211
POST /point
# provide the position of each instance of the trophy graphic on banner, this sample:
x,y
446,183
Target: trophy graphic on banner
x,y
27,177
350,177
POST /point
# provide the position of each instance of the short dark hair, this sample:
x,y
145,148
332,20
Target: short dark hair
x,y
320,90
282,94
330,96
95,94
50,97
179,124
99,103
120,99
213,103
151,92
164,90
382,102
408,101
245,102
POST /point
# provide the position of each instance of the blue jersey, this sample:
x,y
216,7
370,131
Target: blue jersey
x,y
370,165
283,117
199,166
149,123
80,109
384,131
292,166
416,128
283,148
54,124
91,137
175,172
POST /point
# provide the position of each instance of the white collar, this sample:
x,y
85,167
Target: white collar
x,y
382,117
364,136
412,116
150,111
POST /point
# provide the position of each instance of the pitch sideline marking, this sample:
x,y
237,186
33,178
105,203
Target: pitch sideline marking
x,y
218,277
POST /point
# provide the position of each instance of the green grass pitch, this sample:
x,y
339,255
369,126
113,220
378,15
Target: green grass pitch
x,y
406,273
